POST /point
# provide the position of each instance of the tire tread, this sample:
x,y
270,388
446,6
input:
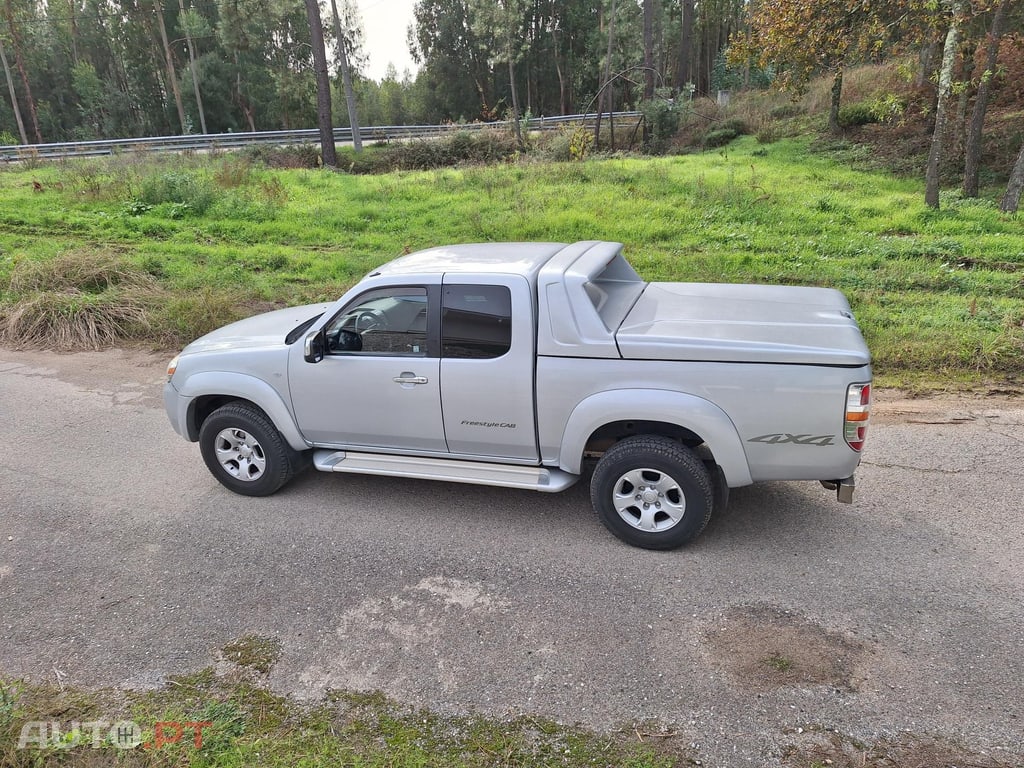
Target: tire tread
x,y
282,459
641,449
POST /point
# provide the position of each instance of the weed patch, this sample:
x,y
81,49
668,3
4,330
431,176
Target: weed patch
x,y
257,653
242,724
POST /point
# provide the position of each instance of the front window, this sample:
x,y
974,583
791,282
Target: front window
x,y
386,321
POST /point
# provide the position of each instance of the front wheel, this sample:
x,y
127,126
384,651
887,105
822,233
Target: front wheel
x,y
652,492
245,452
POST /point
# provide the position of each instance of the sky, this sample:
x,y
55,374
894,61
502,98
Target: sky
x,y
384,31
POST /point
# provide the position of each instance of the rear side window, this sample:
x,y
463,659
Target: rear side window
x,y
476,321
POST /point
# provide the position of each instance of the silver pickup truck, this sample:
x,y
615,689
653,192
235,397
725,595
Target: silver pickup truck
x,y
523,365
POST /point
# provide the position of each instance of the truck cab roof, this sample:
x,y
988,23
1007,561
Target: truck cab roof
x,y
526,259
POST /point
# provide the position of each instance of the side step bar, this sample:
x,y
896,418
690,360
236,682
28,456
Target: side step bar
x,y
473,472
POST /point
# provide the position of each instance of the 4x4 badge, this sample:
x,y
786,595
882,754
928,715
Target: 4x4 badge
x,y
778,439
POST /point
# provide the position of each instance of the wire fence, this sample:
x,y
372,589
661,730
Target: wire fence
x,y
216,141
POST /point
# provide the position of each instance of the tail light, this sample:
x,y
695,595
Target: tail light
x,y
858,410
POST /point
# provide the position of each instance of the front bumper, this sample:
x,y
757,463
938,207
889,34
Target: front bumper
x,y
176,407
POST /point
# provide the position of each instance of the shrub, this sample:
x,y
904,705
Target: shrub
x,y
783,111
187,188
768,133
888,108
569,142
856,114
460,147
735,124
663,117
719,137
297,156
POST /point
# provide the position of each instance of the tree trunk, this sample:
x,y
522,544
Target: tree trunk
x,y
346,80
563,103
14,95
192,69
684,71
972,147
240,100
19,62
73,19
323,85
931,188
837,93
967,54
517,129
648,50
925,59
172,76
1011,199
605,87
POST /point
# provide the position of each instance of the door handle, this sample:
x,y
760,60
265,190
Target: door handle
x,y
410,379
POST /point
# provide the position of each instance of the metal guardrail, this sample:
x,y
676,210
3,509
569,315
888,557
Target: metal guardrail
x,y
214,141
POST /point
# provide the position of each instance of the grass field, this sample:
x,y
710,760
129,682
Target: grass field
x,y
159,250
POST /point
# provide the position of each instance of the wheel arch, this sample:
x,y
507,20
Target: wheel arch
x,y
607,417
208,391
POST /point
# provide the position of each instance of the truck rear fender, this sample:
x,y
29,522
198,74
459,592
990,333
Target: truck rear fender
x,y
224,386
694,414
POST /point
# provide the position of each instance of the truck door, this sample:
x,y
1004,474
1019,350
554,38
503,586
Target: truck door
x,y
487,366
378,383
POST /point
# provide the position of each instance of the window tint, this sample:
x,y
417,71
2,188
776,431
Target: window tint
x,y
387,321
476,321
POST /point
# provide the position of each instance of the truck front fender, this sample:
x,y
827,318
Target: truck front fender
x,y
700,416
243,387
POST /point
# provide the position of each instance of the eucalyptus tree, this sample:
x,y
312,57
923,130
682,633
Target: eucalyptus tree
x,y
328,151
954,10
17,43
503,20
172,74
972,146
193,25
15,108
341,41
453,55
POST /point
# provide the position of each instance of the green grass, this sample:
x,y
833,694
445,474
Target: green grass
x,y
248,725
939,294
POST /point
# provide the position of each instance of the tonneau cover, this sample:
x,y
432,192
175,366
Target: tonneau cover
x,y
742,323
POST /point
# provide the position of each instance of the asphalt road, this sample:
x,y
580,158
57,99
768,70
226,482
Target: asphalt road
x,y
122,561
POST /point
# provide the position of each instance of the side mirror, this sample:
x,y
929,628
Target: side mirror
x,y
314,347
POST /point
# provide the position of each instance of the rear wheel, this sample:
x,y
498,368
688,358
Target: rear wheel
x,y
652,492
245,452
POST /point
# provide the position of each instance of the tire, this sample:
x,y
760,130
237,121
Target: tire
x,y
244,451
652,492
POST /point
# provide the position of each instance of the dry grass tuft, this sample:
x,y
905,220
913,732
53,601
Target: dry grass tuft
x,y
78,301
81,271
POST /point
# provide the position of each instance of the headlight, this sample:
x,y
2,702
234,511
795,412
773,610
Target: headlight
x,y
172,367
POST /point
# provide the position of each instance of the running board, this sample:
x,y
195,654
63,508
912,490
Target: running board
x,y
473,472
